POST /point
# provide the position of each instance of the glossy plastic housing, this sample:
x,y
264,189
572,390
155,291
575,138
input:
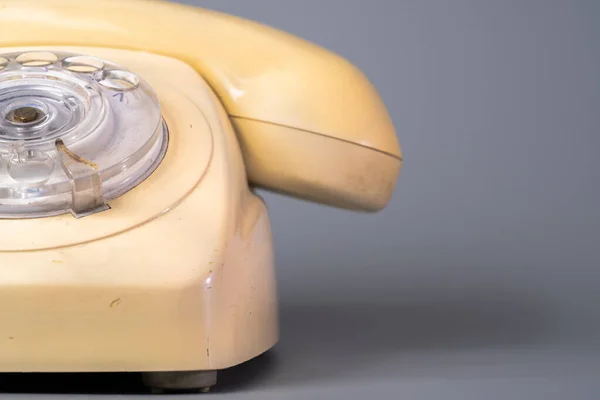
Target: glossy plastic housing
x,y
177,275
310,124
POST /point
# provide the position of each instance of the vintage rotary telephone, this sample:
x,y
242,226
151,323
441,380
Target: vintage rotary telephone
x,y
131,134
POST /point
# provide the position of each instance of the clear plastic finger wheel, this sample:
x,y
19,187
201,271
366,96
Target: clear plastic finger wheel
x,y
75,132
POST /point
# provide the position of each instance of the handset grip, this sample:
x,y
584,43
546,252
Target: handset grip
x,y
310,124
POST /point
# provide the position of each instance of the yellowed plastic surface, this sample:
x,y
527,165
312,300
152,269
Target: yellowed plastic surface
x,y
284,94
178,275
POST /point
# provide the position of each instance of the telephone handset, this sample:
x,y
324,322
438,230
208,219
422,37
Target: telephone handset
x,y
309,122
144,119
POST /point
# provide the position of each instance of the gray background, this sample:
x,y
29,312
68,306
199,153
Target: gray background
x,y
480,278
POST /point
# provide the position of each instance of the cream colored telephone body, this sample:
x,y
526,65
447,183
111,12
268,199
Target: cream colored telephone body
x,y
168,272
